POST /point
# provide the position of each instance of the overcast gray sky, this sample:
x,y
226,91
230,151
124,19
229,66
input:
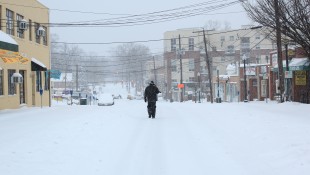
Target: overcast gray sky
x,y
234,14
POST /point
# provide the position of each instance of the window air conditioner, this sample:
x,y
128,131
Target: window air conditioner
x,y
17,78
41,31
22,25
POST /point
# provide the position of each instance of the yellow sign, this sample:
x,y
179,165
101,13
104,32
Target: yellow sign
x,y
300,78
12,57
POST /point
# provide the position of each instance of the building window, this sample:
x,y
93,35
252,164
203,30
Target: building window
x,y
191,65
20,33
254,82
191,79
1,82
191,43
214,48
9,22
0,17
45,36
36,28
11,84
30,30
257,36
173,66
222,38
173,44
257,46
38,81
46,82
230,49
231,38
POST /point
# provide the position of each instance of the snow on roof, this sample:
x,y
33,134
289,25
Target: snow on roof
x,y
7,38
299,62
38,62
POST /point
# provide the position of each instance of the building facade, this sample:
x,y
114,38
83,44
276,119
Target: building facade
x,y
185,52
29,59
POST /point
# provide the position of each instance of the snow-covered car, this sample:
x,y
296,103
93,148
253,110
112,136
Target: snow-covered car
x,y
105,100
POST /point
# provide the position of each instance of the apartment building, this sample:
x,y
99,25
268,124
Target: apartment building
x,y
225,52
24,54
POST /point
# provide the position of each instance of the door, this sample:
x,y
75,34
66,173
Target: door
x,y
22,96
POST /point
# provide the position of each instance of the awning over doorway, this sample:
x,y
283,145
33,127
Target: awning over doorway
x,y
7,42
299,64
37,65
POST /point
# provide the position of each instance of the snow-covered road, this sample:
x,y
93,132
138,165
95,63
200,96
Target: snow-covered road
x,y
185,138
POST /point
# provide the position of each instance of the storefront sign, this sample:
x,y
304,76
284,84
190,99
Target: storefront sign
x,y
12,57
288,74
300,78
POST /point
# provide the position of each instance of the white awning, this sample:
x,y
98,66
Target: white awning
x,y
0,68
7,38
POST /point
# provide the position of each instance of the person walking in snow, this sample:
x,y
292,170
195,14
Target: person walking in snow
x,y
150,96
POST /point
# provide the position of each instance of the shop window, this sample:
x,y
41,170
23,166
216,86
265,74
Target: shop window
x,y
1,82
11,84
46,82
38,81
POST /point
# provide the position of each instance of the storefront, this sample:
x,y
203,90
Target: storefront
x,y
13,69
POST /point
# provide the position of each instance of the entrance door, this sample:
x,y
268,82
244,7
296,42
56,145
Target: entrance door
x,y
22,96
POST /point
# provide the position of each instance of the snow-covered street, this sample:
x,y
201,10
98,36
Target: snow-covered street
x,y
185,138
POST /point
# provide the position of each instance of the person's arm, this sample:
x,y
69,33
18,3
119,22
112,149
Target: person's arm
x,y
145,95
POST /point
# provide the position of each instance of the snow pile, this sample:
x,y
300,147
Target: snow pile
x,y
255,138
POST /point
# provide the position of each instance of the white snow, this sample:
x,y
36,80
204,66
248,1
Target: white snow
x,y
255,138
38,62
7,38
299,62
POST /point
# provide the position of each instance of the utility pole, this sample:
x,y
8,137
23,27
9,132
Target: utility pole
x,y
208,65
279,48
154,70
181,69
77,78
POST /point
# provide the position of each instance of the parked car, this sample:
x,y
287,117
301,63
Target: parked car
x,y
105,99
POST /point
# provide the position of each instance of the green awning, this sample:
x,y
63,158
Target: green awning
x,y
299,64
7,42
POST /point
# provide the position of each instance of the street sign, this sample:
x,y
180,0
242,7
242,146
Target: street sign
x,y
288,74
180,86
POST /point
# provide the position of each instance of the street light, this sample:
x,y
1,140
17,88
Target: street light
x,y
198,74
244,73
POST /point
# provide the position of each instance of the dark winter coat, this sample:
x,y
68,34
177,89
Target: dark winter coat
x,y
150,93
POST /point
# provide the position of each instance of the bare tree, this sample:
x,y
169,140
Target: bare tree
x,y
131,59
212,25
294,16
